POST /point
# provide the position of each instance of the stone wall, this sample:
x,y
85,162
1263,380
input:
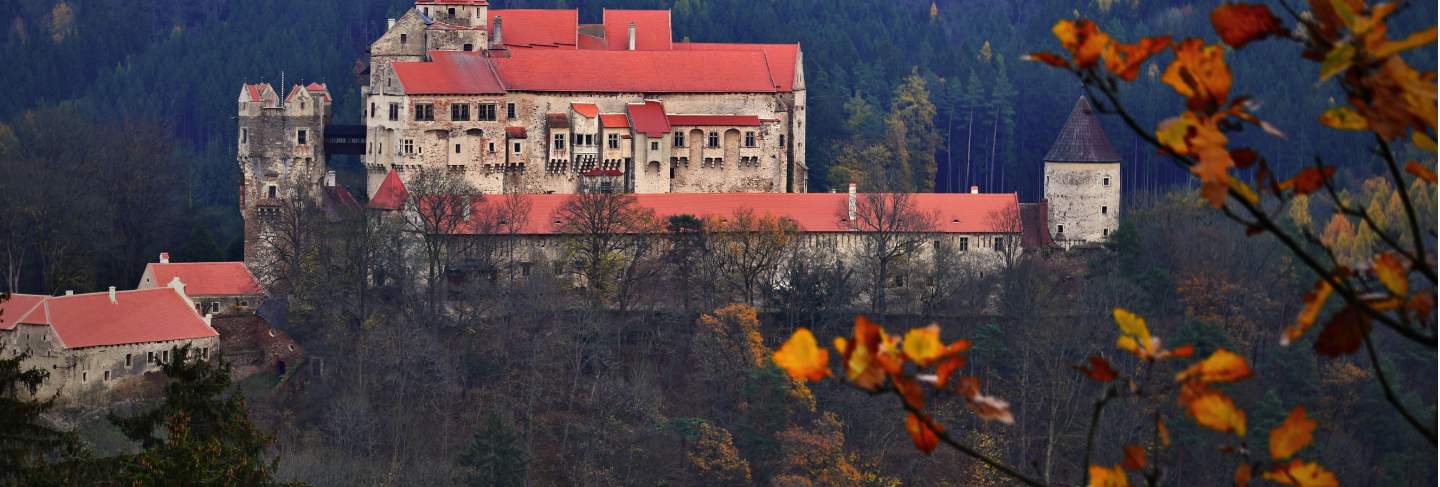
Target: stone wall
x,y
1084,200
91,371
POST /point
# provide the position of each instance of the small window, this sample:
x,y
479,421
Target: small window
x,y
404,38
509,110
1104,210
451,11
749,139
107,375
782,140
272,192
516,149
1105,232
1107,181
486,112
999,244
1059,228
964,244
394,111
408,146
127,360
457,148
559,141
492,147
84,377
149,357
302,137
165,356
712,140
469,47
244,136
679,139
372,110
460,112
654,145
614,141
524,268
424,112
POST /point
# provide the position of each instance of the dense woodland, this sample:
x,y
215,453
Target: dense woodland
x,y
654,376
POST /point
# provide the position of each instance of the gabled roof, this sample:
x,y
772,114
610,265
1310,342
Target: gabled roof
x,y
339,204
17,307
205,278
391,194
588,110
554,28
634,71
712,120
1082,139
652,29
649,118
614,121
780,57
139,316
449,73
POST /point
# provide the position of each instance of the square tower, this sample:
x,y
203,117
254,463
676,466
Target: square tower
x,y
281,152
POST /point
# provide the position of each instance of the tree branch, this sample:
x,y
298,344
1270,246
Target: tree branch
x,y
970,452
1392,398
1094,427
1409,209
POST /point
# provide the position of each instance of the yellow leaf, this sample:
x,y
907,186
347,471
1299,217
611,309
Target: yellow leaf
x,y
1338,59
1083,39
1424,142
1108,476
1221,366
1344,118
1314,303
802,358
1199,73
1292,435
1392,274
1216,411
1302,474
1418,39
922,345
1131,325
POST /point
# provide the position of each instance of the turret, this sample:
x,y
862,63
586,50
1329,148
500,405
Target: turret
x,y
281,152
1082,180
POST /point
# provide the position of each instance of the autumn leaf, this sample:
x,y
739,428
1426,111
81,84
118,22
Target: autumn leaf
x,y
1337,60
911,392
861,367
1344,118
989,408
948,368
1083,39
1314,303
1216,411
925,438
1302,474
1047,58
1424,142
1124,60
1310,179
1420,171
1133,327
1189,135
1239,24
1199,73
1108,476
1221,366
1292,435
1099,369
923,346
1414,40
1134,458
802,358
1344,333
1183,351
1242,475
1162,431
1392,274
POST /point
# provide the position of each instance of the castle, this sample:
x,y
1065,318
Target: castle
x,y
531,101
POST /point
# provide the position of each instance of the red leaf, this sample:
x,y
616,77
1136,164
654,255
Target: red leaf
x,y
925,438
1099,369
1343,334
1244,157
1048,58
1312,179
1183,351
1134,458
1241,23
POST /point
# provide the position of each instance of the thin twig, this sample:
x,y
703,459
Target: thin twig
x,y
970,452
1094,427
1409,209
1392,398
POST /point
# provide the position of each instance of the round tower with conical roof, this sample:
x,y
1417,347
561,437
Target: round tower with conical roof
x,y
1082,181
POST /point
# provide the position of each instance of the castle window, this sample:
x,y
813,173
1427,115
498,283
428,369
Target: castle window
x,y
749,139
271,192
149,357
1104,210
409,145
782,140
559,142
84,377
301,137
679,139
1105,232
964,244
403,38
516,149
655,145
614,141
107,375
999,244
469,47
460,112
165,356
712,140
424,112
457,148
127,360
509,110
492,147
394,111
1060,229
486,112
372,110
451,12
244,136
1107,181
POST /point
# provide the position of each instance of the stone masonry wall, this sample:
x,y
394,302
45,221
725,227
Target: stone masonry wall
x,y
1081,201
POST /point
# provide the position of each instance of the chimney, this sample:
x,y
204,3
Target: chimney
x,y
389,24
112,295
329,179
164,257
497,39
631,31
851,205
974,189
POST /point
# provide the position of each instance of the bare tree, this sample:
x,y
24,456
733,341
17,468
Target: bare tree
x,y
891,230
599,224
1006,224
748,247
438,212
289,231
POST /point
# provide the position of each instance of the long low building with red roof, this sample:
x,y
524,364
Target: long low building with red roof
x,y
92,343
534,100
220,288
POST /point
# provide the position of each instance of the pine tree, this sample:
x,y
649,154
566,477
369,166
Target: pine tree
x,y
911,131
496,456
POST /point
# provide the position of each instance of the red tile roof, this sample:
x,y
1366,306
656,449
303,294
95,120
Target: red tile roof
x,y
205,278
652,29
391,194
449,73
475,3
780,58
635,71
591,42
589,110
537,27
711,120
139,316
254,91
649,118
614,121
14,309
815,212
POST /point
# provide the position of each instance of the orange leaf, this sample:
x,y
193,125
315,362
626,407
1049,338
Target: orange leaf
x,y
1392,273
802,358
1424,142
1242,475
911,392
861,367
1303,474
989,408
1124,60
923,345
1292,435
1134,458
1099,369
1163,431
1183,351
1343,334
1047,58
1314,303
1414,40
1310,179
1239,24
1344,118
1221,366
948,368
1199,73
1083,39
1108,476
1420,171
925,438
1218,412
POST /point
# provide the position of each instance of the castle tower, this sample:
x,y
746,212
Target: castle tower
x,y
281,153
1082,180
